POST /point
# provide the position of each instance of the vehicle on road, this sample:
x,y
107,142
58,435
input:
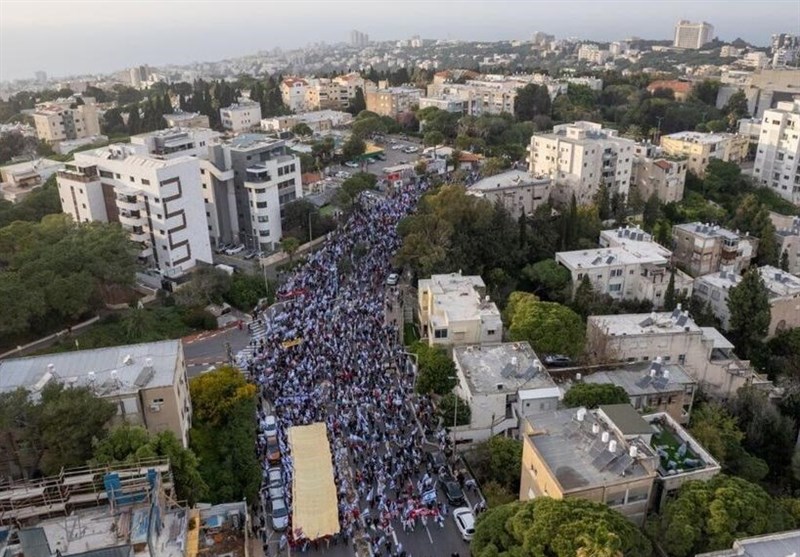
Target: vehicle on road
x,y
222,248
465,522
234,250
280,514
411,149
274,477
452,490
437,460
351,164
393,279
557,360
250,254
273,450
396,146
342,174
271,426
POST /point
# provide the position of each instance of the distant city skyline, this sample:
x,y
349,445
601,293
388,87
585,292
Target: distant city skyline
x,y
71,38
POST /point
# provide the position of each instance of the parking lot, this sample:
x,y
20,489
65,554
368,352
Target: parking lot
x,y
394,157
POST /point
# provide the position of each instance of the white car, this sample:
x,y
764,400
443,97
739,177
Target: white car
x,y
393,279
280,514
234,250
351,164
411,149
396,146
465,522
270,426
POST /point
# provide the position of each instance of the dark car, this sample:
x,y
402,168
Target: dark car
x,y
437,460
273,450
453,492
557,360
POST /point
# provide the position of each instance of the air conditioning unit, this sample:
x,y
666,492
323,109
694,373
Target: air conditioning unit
x,y
155,408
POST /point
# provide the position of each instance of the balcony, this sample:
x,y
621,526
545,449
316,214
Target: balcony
x,y
137,233
146,251
257,175
129,203
130,218
76,176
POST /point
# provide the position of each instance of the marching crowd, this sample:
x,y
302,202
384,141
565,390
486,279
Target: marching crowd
x,y
330,357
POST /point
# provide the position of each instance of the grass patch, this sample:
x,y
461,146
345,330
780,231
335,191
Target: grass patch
x,y
410,335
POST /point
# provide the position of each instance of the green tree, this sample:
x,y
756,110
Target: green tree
x,y
670,300
353,148
592,395
550,327
246,291
494,165
785,261
558,528
129,444
224,433
499,460
352,187
433,138
531,101
710,515
651,212
748,304
358,103
452,408
436,373
302,130
290,245
208,285
549,280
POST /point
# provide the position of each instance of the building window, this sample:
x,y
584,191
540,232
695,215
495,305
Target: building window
x,y
491,332
440,333
261,205
682,359
145,181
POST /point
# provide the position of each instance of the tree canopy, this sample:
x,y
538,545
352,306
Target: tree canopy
x,y
550,327
592,395
558,528
748,303
436,369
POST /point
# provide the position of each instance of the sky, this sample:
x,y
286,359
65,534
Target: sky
x,y
64,37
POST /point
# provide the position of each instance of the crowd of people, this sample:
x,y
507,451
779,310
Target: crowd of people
x,y
328,355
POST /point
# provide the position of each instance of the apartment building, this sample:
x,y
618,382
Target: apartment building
x,y
699,148
704,248
778,154
187,120
19,179
784,296
240,117
602,455
693,35
593,54
393,100
580,158
65,119
475,97
310,94
147,383
516,190
501,383
631,266
657,175
156,200
787,236
779,543
703,352
320,121
293,93
455,310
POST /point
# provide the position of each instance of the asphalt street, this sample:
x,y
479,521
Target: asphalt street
x,y
210,351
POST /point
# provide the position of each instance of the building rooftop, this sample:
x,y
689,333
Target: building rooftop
x,y
648,378
781,544
179,116
677,450
700,137
779,283
114,370
677,321
251,140
241,105
503,368
633,239
708,230
718,339
721,279
572,445
509,179
456,298
640,253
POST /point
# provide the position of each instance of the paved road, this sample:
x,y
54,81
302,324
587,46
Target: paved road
x,y
209,350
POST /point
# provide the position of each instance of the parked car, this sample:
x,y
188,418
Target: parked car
x,y
557,360
274,476
342,174
222,248
250,254
280,514
271,426
437,460
381,157
234,250
393,279
396,146
465,522
453,491
411,149
273,450
352,164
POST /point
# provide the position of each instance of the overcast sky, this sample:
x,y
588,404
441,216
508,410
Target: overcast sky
x,y
65,37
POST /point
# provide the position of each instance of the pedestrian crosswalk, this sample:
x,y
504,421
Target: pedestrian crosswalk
x,y
257,332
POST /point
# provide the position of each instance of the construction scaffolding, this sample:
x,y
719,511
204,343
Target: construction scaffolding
x,y
24,503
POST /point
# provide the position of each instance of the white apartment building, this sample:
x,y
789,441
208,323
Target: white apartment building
x,y
784,296
156,200
693,35
320,121
293,93
778,155
187,120
632,266
519,192
241,116
787,236
65,119
393,100
699,148
656,175
675,338
703,248
501,383
454,310
580,158
593,54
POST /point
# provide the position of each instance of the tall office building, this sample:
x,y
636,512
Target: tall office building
x,y
693,35
778,154
41,77
357,38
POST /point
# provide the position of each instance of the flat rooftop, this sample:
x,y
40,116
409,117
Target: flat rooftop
x,y
700,137
780,283
596,258
721,279
113,370
503,368
457,298
677,450
708,230
579,458
251,140
508,180
639,379
655,323
781,544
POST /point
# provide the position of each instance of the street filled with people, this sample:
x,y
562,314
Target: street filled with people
x,y
330,356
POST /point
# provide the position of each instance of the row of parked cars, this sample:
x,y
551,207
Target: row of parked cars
x,y
463,516
237,249
409,150
274,490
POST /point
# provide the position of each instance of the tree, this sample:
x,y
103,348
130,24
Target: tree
x,y
785,261
493,165
558,528
12,144
302,130
709,515
499,460
436,373
670,300
358,103
433,138
531,101
290,245
246,291
353,148
223,434
454,409
208,285
651,212
550,327
748,304
134,121
550,280
129,444
592,395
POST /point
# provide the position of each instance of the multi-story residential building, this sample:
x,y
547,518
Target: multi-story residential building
x,y
692,35
448,104
703,248
780,543
762,88
66,119
784,296
156,200
750,127
699,148
187,120
593,54
320,121
357,38
518,191
310,94
657,175
241,116
631,267
580,158
393,100
293,93
777,164
147,383
454,310
18,180
501,383
787,236
703,352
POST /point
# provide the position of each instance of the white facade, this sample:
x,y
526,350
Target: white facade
x,y
319,121
267,184
787,236
581,157
693,35
240,116
155,200
65,119
516,190
778,155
